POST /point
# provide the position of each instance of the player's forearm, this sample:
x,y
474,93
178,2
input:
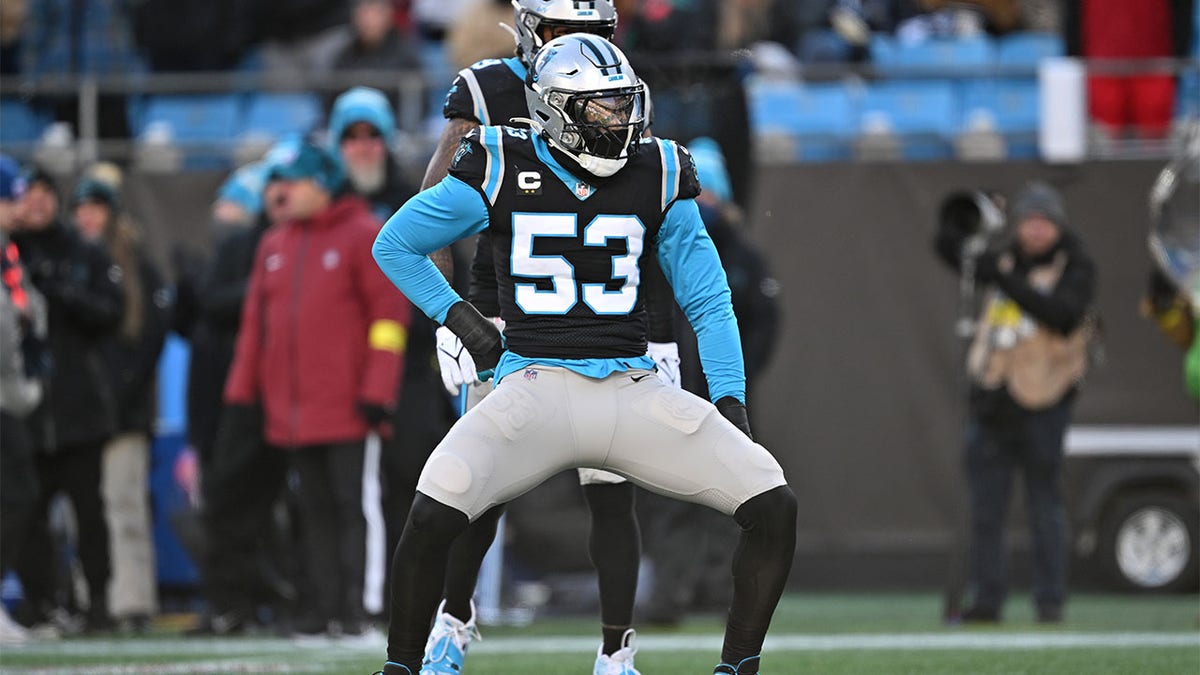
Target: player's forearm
x,y
414,274
438,168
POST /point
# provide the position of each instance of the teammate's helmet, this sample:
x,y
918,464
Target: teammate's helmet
x,y
586,100
536,21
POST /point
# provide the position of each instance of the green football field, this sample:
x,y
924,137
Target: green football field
x,y
812,633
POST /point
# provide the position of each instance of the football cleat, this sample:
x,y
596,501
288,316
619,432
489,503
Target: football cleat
x,y
619,662
390,668
448,641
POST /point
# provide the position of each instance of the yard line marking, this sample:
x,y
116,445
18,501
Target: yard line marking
x,y
332,650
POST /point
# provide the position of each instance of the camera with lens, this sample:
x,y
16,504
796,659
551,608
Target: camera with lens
x,y
969,221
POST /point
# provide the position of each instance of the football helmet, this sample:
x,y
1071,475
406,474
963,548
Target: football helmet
x,y
598,17
585,99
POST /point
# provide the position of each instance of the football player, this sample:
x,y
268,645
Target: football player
x,y
492,92
574,209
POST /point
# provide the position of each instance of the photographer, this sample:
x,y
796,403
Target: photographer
x,y
1028,354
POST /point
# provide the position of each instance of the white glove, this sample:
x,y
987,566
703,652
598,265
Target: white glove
x,y
666,357
455,362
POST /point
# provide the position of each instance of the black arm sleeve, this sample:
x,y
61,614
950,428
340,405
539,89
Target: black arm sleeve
x,y
660,301
1064,308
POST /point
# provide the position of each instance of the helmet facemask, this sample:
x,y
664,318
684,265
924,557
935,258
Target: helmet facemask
x,y
599,129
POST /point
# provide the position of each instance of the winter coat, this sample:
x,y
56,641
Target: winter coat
x,y
132,361
323,330
85,304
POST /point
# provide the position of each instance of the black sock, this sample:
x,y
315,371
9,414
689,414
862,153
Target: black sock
x,y
466,557
612,638
615,549
760,569
418,573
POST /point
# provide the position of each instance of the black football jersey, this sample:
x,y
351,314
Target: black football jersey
x,y
570,254
491,91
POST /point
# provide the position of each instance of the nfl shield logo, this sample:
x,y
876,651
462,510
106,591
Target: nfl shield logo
x,y
583,189
530,374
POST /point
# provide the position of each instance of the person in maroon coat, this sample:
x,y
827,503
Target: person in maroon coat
x,y
321,349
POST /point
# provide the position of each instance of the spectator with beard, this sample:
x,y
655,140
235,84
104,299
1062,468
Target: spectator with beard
x,y
362,130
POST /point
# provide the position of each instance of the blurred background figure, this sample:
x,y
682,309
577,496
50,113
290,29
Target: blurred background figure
x,y
320,349
477,33
242,478
1141,104
691,551
1030,350
377,43
23,366
362,132
130,356
77,416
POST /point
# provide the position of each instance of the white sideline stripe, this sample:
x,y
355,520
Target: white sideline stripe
x,y
260,648
376,540
1132,440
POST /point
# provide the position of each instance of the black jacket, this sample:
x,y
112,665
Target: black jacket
x,y
85,305
220,291
132,362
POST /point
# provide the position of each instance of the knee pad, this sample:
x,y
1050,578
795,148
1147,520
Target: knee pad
x,y
429,517
773,510
609,499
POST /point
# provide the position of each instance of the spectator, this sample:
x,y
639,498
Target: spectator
x,y
191,35
22,348
1029,352
131,356
236,567
320,347
476,33
361,130
1111,29
377,43
12,29
77,416
690,548
303,36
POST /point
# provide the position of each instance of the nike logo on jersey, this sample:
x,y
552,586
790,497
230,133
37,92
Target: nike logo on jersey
x,y
639,378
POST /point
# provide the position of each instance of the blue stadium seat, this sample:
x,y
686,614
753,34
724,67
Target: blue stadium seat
x,y
891,55
282,115
199,118
924,114
20,123
1028,49
1013,104
822,117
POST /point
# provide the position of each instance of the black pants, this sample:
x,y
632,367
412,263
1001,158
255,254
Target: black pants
x,y
998,448
241,488
74,471
18,489
332,517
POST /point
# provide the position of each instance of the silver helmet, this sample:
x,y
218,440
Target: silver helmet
x,y
598,17
584,97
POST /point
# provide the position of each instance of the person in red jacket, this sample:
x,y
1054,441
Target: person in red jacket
x,y
321,348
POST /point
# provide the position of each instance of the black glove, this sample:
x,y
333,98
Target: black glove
x,y
735,411
373,413
480,336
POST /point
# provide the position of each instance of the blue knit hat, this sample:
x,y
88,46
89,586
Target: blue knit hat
x,y
9,170
361,104
244,187
710,166
96,190
305,161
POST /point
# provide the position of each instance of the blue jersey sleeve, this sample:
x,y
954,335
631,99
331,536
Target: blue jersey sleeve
x,y
690,261
430,221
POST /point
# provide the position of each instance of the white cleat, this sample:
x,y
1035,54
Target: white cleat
x,y
11,632
619,662
446,649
